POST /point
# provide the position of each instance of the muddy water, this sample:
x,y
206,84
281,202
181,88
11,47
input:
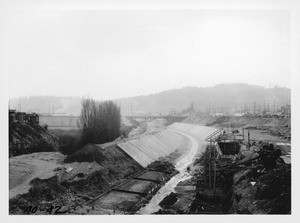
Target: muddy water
x,y
181,166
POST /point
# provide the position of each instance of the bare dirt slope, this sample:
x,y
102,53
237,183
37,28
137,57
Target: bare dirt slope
x,y
149,127
108,160
206,119
156,125
22,169
279,127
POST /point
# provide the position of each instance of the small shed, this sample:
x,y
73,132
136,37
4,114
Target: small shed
x,y
32,119
21,117
12,116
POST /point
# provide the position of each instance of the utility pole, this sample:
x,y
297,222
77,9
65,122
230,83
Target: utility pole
x,y
49,107
249,139
254,108
131,109
215,167
274,106
243,133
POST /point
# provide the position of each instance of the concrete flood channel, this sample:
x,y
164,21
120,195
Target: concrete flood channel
x,y
153,205
143,193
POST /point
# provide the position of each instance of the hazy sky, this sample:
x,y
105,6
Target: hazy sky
x,y
111,54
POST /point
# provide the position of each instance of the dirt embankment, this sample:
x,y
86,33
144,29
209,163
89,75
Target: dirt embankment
x,y
261,185
274,126
261,191
85,174
155,125
25,139
96,168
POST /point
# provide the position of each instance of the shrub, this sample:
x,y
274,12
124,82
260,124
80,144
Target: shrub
x,y
89,153
69,144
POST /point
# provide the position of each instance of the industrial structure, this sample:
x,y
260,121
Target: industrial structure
x,y
23,117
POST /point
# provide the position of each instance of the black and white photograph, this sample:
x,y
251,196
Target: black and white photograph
x,y
134,109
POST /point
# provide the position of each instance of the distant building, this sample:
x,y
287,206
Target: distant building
x,y
12,116
286,111
22,117
238,114
32,119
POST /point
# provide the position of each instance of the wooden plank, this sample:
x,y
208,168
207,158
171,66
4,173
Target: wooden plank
x,y
144,179
130,192
161,171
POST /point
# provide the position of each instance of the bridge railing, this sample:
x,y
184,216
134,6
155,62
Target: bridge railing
x,y
208,138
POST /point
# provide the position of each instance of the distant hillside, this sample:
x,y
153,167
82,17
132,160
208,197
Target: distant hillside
x,y
217,97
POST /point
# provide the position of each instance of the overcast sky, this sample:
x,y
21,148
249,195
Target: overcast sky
x,y
112,54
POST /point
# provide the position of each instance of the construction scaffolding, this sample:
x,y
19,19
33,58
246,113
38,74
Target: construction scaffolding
x,y
217,153
210,166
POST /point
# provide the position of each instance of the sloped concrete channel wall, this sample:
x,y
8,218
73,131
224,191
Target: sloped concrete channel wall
x,y
150,148
197,131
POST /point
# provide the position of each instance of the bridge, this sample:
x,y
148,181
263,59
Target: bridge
x,y
169,118
71,122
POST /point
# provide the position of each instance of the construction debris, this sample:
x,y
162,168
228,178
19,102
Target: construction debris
x,y
68,169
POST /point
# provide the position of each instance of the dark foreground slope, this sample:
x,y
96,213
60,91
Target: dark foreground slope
x,y
25,139
262,191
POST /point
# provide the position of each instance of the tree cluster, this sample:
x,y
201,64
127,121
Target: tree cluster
x,y
99,121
